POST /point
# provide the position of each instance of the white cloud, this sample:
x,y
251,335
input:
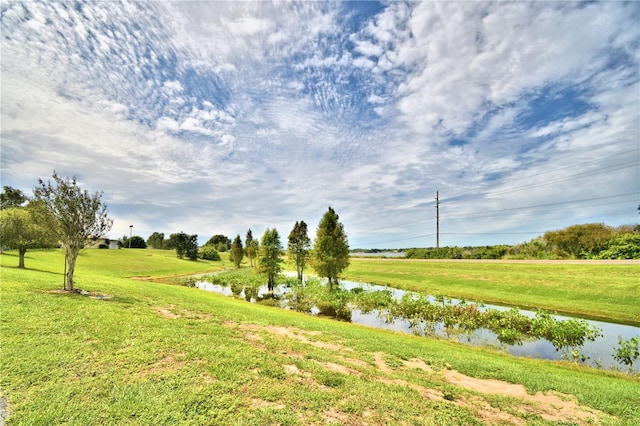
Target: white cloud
x,y
214,117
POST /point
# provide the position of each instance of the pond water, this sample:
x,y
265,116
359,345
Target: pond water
x,y
599,352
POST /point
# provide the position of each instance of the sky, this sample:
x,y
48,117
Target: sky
x,y
212,117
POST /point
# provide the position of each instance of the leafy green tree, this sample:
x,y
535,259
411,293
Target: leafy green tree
x,y
73,215
185,245
220,242
331,248
624,246
192,247
251,247
135,241
208,253
237,251
269,261
156,240
298,247
20,230
580,241
11,197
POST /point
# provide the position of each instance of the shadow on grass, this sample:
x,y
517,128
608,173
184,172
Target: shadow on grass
x,y
95,295
44,271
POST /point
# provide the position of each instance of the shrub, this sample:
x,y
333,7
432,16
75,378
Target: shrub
x,y
624,246
208,253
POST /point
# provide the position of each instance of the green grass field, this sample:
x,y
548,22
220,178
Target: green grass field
x,y
152,353
600,291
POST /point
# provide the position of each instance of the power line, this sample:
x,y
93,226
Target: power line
x,y
541,205
509,233
595,171
580,175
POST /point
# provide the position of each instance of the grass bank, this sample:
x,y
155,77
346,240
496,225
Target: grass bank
x,y
141,352
601,291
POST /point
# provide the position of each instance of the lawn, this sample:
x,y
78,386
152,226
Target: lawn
x,y
600,291
142,352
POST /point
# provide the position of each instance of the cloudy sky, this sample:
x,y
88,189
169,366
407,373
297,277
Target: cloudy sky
x,y
215,117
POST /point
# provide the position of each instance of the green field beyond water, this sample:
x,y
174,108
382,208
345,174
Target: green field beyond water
x,y
607,291
132,351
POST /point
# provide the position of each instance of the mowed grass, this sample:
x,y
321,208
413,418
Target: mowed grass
x,y
152,353
601,291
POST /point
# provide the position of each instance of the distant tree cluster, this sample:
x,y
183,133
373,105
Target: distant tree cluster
x,y
329,256
221,242
185,245
585,241
135,241
63,213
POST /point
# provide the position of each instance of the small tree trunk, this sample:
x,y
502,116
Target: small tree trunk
x,y
330,284
70,258
21,253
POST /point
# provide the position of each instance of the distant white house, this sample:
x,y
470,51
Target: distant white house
x,y
103,243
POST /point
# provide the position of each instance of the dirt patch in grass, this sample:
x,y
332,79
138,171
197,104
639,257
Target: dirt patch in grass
x,y
430,394
552,406
382,366
339,368
166,312
335,417
171,312
165,365
297,334
418,364
261,403
90,294
292,370
487,413
352,361
474,394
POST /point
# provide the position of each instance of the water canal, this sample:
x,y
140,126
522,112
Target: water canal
x,y
597,353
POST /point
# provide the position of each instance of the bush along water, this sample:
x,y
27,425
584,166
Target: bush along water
x,y
428,316
510,326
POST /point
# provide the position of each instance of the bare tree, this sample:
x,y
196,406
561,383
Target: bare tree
x,y
73,215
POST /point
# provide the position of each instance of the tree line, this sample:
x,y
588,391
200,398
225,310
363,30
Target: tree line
x,y
60,213
583,241
328,255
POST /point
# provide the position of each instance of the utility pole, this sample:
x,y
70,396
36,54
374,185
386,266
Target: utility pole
x,y
438,220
